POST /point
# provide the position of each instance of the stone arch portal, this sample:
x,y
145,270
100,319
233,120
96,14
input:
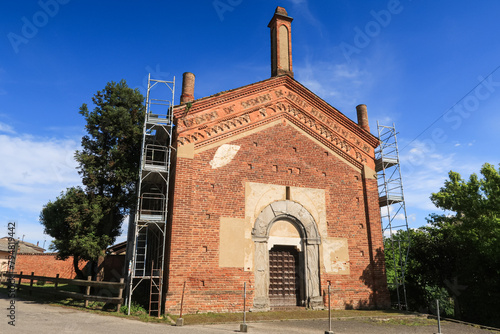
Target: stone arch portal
x,y
297,215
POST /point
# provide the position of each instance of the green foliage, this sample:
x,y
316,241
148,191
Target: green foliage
x,y
84,221
71,220
456,257
469,246
109,159
135,309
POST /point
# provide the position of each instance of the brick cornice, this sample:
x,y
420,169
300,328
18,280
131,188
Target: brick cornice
x,y
336,138
324,107
235,95
230,113
228,96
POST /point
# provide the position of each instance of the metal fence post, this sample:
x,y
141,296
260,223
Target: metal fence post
x,y
243,326
180,320
439,317
329,313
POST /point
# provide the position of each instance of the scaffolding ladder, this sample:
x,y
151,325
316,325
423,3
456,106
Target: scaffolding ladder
x,y
392,206
150,220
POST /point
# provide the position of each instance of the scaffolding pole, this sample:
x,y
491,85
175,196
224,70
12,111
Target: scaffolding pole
x,y
393,208
150,219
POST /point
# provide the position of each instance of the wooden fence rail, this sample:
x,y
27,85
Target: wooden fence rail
x,y
108,286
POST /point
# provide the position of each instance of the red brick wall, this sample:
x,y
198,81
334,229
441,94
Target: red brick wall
x,y
46,264
202,195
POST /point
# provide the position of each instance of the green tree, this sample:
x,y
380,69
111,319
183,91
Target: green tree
x,y
423,275
456,257
110,155
109,166
469,253
72,221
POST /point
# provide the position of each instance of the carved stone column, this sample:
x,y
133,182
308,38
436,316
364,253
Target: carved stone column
x,y
313,286
261,300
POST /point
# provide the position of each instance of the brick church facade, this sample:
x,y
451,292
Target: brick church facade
x,y
272,186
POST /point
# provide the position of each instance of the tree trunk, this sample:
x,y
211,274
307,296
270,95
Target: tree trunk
x,y
79,273
100,267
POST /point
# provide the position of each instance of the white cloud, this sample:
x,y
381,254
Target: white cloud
x,y
339,84
5,128
409,217
385,119
387,233
35,170
424,180
425,168
302,9
458,144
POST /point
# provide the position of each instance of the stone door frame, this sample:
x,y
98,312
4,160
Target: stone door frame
x,y
299,216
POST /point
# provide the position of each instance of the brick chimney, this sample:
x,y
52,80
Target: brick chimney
x,y
187,88
281,43
363,117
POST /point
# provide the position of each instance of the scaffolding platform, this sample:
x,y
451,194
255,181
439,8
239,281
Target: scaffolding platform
x,y
384,163
148,241
389,200
393,209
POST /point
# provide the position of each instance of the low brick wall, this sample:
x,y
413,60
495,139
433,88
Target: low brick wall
x,y
46,264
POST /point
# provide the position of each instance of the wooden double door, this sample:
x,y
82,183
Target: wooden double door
x,y
285,284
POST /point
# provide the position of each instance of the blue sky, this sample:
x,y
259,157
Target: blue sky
x,y
429,67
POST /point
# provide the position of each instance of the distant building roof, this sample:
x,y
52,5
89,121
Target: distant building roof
x,y
24,247
117,249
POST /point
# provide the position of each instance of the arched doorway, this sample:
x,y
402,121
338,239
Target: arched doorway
x,y
286,264
297,251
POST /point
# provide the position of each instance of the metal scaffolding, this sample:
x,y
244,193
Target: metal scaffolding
x,y
392,207
150,222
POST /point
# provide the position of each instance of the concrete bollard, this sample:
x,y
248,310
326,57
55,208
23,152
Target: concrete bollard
x,y
243,326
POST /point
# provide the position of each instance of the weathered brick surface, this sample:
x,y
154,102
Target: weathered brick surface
x,y
46,264
277,155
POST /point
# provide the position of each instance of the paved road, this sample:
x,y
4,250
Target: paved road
x,y
31,317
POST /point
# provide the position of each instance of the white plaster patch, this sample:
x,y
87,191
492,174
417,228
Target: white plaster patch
x,y
336,255
224,154
340,267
